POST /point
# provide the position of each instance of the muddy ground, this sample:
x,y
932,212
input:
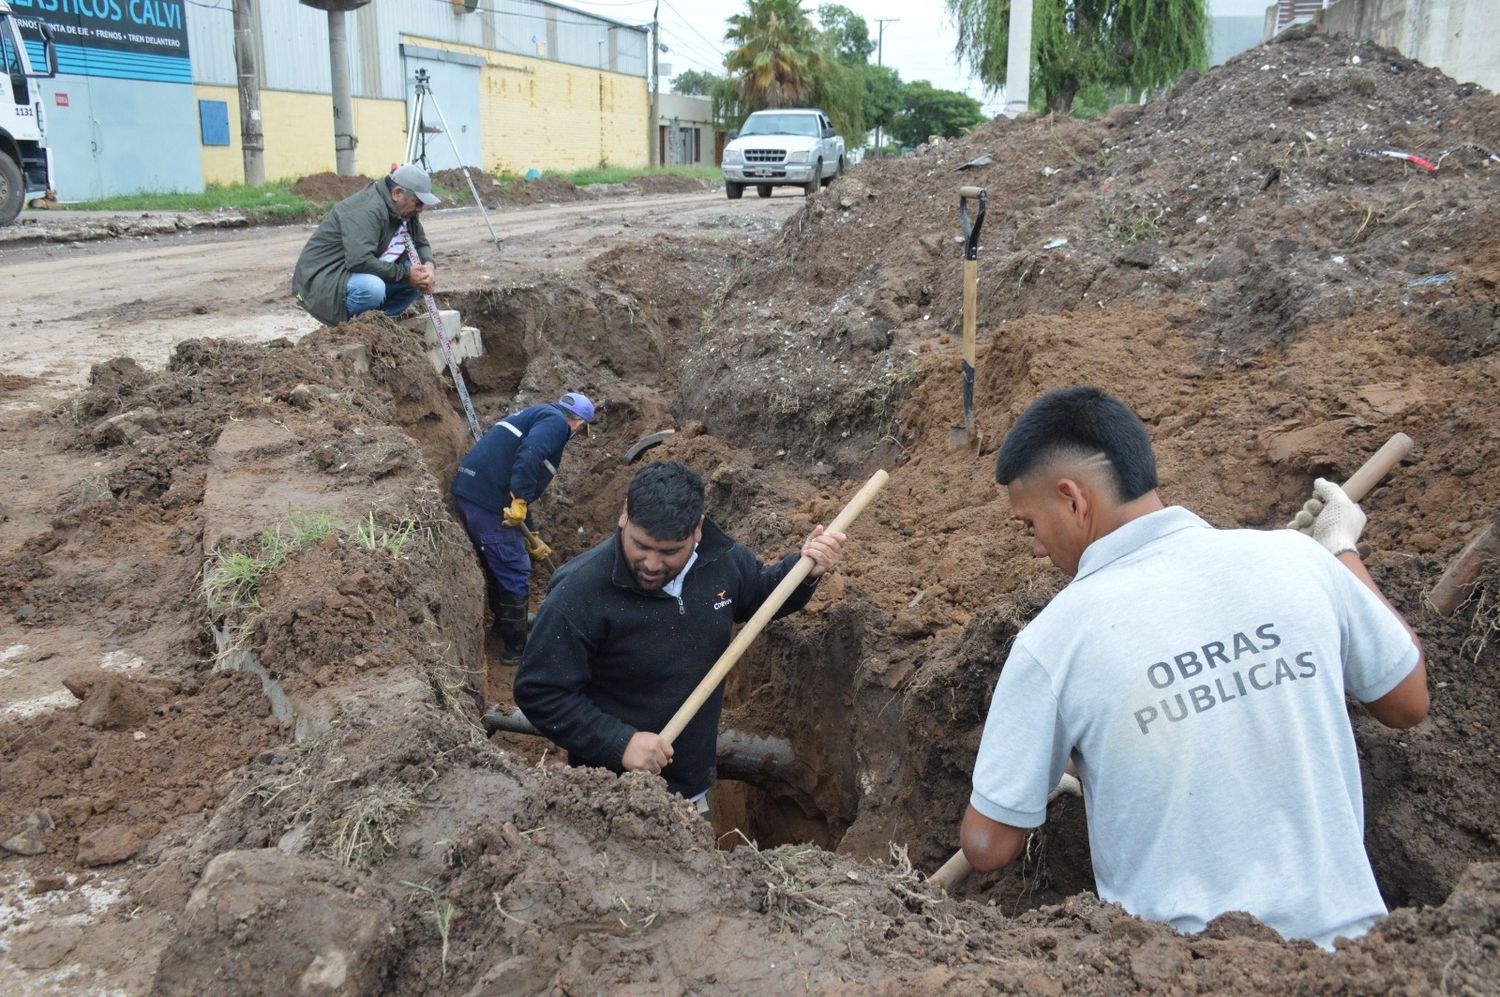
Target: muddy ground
x,y
242,635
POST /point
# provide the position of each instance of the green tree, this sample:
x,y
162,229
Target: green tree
x,y
883,96
780,59
694,82
777,53
926,110
1078,43
848,34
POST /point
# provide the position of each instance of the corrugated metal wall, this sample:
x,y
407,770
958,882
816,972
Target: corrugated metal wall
x,y
294,40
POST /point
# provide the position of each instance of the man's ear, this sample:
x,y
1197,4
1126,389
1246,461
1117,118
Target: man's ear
x,y
624,517
698,532
1075,497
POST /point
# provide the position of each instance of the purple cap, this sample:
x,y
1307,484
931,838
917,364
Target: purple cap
x,y
578,404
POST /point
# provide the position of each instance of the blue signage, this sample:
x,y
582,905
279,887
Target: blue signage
x,y
122,39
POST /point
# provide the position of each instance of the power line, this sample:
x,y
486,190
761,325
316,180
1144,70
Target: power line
x,y
690,53
712,45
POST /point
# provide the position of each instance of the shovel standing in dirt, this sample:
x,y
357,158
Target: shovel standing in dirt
x,y
962,436
957,868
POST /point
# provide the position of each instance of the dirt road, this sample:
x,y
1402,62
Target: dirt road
x,y
74,306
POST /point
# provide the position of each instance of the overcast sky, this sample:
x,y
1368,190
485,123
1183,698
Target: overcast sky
x,y
919,45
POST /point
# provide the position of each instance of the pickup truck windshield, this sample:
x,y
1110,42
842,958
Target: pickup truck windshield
x,y
781,124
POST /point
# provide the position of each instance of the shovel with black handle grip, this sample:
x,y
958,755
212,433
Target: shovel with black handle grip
x,y
961,436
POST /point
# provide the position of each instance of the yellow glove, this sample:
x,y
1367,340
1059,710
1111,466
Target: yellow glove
x,y
538,550
515,513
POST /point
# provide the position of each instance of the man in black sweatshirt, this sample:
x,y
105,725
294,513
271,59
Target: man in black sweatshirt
x,y
628,630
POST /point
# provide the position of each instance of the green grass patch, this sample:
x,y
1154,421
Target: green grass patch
x,y
624,174
273,200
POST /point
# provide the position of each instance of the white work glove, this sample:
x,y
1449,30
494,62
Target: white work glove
x,y
1333,518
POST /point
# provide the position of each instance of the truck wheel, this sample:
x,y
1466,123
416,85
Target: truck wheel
x,y
733,190
12,189
763,189
817,179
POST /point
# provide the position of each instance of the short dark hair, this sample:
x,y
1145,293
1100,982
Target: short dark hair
x,y
665,499
1081,421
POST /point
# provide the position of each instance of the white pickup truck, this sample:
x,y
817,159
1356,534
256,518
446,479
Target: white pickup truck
x,y
785,147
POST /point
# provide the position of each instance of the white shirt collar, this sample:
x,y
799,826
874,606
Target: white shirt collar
x,y
674,587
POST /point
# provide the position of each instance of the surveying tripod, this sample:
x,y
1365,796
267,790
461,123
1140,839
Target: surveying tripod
x,y
416,143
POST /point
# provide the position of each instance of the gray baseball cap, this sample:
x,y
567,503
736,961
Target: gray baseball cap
x,y
415,180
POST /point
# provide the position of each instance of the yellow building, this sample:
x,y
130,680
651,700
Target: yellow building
x,y
538,87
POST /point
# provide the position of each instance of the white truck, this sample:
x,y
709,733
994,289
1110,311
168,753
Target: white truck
x,y
783,147
25,160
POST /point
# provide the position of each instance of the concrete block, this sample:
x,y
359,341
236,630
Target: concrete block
x,y
464,339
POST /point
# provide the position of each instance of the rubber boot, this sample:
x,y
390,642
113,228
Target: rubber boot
x,y
510,624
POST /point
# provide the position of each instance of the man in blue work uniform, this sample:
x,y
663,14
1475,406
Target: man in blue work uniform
x,y
512,465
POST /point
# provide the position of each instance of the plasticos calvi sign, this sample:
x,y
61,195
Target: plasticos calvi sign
x,y
123,39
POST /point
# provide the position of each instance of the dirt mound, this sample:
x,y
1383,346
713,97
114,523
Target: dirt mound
x,y
541,190
491,191
329,188
1238,195
131,761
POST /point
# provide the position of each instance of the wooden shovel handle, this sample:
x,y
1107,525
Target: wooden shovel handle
x,y
953,872
957,868
1378,466
757,623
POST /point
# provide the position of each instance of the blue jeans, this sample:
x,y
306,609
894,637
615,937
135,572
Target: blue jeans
x,y
367,291
501,548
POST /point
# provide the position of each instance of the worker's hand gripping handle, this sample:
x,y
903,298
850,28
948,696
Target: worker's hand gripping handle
x,y
767,610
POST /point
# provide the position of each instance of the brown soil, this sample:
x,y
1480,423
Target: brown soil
x,y
491,192
349,828
669,183
542,189
329,188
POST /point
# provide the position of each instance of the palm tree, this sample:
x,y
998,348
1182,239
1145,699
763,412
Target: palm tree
x,y
777,56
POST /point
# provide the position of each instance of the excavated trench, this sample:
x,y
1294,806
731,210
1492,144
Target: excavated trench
x,y
869,765
791,690
876,758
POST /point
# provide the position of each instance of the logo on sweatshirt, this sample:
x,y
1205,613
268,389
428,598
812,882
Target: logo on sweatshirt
x,y
723,601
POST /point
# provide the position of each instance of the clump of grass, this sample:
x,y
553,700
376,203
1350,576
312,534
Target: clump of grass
x,y
1131,225
890,392
232,579
366,831
1485,623
442,917
372,535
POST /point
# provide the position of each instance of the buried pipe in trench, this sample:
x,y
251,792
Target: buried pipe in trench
x,y
743,757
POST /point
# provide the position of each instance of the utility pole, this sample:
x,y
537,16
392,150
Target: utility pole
x,y
1018,60
344,139
881,22
252,139
653,130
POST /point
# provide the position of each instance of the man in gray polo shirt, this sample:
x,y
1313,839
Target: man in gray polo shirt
x,y
1196,678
